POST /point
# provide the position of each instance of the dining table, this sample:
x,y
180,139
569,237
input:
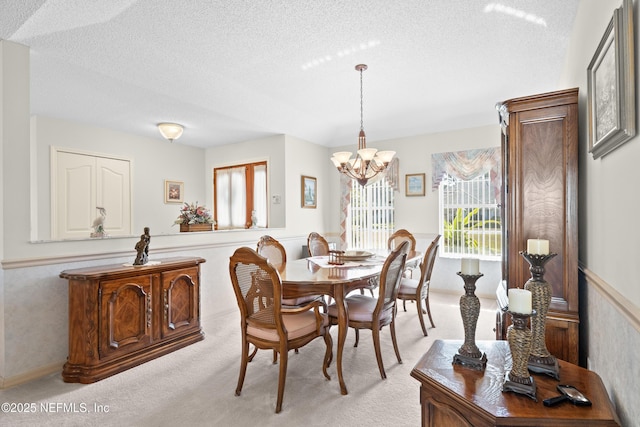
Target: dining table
x,y
315,276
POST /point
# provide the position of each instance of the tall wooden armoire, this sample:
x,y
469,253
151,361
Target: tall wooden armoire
x,y
540,200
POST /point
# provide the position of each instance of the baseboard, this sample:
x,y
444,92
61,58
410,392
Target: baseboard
x,y
31,375
615,298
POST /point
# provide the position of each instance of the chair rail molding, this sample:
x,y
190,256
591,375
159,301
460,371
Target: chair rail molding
x,y
615,298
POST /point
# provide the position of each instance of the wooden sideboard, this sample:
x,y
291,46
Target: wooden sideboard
x,y
453,395
121,316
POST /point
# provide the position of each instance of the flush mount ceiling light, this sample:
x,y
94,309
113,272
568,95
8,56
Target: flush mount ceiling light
x,y
170,131
368,162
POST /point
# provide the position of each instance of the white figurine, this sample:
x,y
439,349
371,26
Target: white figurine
x,y
98,223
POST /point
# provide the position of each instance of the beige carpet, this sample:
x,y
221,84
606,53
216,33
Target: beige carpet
x,y
195,386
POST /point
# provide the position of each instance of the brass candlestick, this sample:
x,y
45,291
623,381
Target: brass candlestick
x,y
518,379
540,360
469,354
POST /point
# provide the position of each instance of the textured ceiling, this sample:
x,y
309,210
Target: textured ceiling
x,y
234,70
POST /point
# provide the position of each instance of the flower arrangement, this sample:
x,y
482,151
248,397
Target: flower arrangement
x,y
194,214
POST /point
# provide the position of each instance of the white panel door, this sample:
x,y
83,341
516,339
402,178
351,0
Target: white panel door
x,y
84,182
75,196
113,193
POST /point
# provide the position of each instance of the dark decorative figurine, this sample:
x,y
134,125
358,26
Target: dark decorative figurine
x,y
143,248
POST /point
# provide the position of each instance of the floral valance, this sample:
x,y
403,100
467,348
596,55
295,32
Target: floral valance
x,y
466,165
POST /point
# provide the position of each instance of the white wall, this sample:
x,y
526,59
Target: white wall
x,y
608,204
608,241
305,158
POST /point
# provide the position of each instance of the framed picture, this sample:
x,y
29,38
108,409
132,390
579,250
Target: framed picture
x,y
309,192
414,184
611,85
173,191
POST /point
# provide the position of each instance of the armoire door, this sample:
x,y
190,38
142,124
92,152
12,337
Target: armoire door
x,y
540,141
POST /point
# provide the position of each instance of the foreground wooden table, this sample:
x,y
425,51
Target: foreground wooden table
x,y
452,395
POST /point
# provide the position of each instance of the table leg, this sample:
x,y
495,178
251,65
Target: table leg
x,y
343,326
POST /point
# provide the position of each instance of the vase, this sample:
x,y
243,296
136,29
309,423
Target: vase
x,y
196,227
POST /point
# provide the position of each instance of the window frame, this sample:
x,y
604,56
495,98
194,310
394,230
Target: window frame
x,y
492,206
375,239
249,191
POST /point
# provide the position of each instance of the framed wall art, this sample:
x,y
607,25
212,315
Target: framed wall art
x,y
173,191
414,184
611,85
309,192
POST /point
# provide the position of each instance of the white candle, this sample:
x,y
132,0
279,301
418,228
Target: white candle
x,y
519,301
538,246
470,266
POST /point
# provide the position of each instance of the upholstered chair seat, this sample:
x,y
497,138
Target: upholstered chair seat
x,y
361,309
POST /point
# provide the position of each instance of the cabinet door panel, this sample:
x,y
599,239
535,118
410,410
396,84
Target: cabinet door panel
x,y
125,306
113,190
181,307
543,189
74,207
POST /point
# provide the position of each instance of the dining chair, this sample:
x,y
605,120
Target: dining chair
x,y
317,245
365,312
398,237
266,323
275,253
272,250
417,290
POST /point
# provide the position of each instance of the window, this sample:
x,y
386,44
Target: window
x,y
239,191
370,215
469,217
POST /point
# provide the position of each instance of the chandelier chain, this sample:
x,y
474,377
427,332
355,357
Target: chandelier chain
x,y
361,103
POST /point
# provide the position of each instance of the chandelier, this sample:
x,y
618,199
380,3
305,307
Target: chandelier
x,y
368,162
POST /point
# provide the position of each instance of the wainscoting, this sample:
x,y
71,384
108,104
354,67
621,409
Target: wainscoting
x,y
610,341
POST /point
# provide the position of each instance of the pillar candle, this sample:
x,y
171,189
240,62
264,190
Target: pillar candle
x,y
519,301
470,266
538,246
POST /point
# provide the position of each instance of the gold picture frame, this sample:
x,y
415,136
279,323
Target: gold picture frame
x,y
173,191
611,85
414,184
309,192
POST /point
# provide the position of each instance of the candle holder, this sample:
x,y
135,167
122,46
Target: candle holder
x,y
540,360
518,379
468,354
